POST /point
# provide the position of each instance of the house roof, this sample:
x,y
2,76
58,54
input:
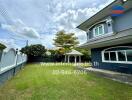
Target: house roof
x,y
104,13
74,52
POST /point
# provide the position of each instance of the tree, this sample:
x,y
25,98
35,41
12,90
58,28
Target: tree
x,y
65,40
86,54
34,50
2,46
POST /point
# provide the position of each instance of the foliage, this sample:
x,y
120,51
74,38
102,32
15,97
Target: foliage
x,y
34,50
2,46
65,40
57,55
53,52
86,54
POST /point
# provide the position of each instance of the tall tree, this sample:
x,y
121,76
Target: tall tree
x,y
65,40
34,50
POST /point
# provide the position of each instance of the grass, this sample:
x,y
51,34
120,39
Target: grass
x,y
37,82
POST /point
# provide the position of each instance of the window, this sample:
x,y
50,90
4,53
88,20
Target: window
x,y
117,56
106,56
96,31
121,56
129,55
113,56
99,30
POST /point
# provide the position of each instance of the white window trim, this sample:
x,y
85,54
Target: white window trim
x,y
97,27
117,59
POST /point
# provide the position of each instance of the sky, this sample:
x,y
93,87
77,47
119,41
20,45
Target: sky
x,y
39,20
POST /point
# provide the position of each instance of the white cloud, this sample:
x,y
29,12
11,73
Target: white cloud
x,y
71,18
20,29
9,43
30,32
47,17
47,40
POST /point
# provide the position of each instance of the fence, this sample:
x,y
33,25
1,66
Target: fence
x,y
11,62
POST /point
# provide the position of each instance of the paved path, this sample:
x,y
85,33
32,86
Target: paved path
x,y
116,76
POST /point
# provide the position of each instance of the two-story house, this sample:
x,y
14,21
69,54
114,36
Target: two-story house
x,y
110,37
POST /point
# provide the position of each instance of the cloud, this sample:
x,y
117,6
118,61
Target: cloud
x,y
9,43
20,29
47,40
44,18
71,18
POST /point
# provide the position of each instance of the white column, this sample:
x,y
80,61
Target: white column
x,y
75,59
80,59
68,58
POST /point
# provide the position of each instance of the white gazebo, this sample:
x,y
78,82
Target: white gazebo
x,y
74,53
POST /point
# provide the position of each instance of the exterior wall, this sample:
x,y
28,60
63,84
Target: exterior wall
x,y
118,24
10,63
10,73
97,62
123,22
107,29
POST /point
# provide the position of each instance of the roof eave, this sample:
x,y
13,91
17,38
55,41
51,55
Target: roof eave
x,y
81,26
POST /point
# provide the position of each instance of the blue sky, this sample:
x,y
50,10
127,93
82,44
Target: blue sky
x,y
39,20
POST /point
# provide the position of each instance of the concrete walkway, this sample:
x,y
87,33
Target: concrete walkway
x,y
116,76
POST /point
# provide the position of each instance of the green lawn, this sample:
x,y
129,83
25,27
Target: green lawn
x,y
36,82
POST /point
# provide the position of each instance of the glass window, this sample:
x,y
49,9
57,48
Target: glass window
x,y
100,30
96,31
106,56
121,56
113,56
129,55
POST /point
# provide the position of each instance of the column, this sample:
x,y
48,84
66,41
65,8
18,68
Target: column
x,y
75,59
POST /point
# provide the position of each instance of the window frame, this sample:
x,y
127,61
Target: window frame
x,y
98,27
117,57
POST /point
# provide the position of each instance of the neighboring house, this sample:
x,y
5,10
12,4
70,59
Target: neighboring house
x,y
110,37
